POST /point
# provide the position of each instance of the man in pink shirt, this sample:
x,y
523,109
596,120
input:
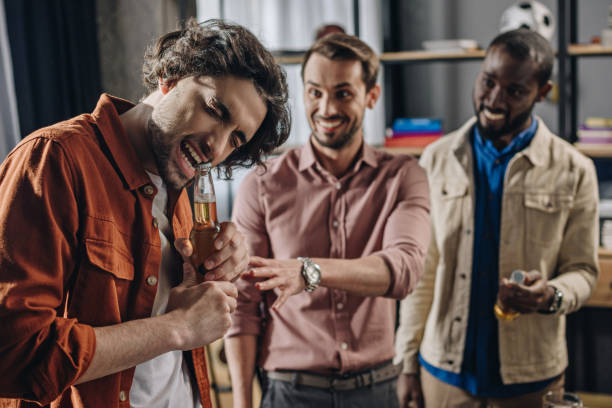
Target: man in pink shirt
x,y
338,231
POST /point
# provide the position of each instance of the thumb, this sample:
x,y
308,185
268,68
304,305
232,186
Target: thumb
x,y
189,275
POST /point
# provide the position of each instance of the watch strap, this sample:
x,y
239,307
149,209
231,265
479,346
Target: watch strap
x,y
555,304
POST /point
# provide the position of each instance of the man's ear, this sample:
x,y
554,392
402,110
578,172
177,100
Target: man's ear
x,y
165,85
543,91
372,96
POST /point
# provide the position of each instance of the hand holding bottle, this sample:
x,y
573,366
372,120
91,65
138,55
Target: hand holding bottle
x,y
528,296
216,250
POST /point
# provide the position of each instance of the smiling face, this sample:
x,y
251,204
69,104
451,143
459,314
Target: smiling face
x,y
505,92
335,99
202,119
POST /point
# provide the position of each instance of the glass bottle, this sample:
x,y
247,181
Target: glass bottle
x,y
503,312
205,226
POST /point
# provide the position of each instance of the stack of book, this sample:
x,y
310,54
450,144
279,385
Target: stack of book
x,y
413,132
595,131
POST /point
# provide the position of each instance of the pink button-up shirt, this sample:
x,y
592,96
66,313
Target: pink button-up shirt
x,y
296,208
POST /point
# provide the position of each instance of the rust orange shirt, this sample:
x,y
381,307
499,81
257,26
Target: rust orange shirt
x,y
79,248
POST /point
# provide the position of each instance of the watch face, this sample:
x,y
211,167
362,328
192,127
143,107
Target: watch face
x,y
313,273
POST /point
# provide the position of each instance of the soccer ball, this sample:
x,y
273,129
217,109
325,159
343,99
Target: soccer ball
x,y
532,15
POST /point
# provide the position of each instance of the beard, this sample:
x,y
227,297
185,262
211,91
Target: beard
x,y
509,127
168,170
341,141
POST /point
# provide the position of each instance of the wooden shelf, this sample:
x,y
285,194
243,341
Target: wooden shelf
x,y
289,59
402,150
588,50
595,150
576,50
602,295
402,56
422,55
591,150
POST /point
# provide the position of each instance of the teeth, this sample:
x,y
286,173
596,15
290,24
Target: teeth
x,y
493,116
329,124
187,160
193,153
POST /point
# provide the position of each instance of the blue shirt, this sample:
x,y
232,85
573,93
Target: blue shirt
x,y
480,372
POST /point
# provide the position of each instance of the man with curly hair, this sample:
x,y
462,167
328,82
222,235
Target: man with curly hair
x,y
97,307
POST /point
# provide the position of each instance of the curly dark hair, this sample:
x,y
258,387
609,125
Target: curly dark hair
x,y
217,48
341,46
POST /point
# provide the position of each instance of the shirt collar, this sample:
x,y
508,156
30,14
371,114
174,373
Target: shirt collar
x,y
106,118
519,142
367,155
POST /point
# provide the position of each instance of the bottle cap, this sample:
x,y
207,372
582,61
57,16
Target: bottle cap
x,y
517,276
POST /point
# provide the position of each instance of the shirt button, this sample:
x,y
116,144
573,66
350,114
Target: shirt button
x,y
340,306
468,231
155,223
122,395
335,223
343,346
338,186
148,189
152,280
497,162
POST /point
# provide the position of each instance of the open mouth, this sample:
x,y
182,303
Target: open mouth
x,y
493,115
191,155
328,125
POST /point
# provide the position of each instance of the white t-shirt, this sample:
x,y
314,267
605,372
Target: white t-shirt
x,y
163,381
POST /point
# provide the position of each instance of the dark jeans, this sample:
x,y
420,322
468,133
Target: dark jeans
x,y
282,394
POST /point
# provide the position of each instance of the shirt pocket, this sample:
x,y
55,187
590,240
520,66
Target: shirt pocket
x,y
545,216
105,277
447,206
110,257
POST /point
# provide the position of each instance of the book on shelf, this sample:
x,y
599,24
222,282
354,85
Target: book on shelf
x,y
417,125
594,135
598,122
413,141
398,134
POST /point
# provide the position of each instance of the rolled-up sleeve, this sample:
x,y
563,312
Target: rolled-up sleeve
x,y
42,353
249,217
407,232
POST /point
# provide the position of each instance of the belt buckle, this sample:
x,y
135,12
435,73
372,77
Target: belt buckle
x,y
345,382
333,383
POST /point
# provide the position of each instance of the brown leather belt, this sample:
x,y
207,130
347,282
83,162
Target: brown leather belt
x,y
339,382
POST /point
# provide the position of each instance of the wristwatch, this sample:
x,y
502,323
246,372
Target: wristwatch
x,y
311,273
556,302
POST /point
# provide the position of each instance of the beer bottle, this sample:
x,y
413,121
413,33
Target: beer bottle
x,y
502,312
206,226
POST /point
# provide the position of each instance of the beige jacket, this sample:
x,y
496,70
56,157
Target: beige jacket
x,y
549,222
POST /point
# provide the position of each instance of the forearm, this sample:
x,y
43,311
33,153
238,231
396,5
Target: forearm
x,y
126,345
240,352
367,276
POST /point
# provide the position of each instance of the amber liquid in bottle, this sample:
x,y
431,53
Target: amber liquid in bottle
x,y
206,226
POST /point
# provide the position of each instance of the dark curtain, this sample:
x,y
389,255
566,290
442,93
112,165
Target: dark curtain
x,y
54,48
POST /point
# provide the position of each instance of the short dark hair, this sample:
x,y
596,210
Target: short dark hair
x,y
523,43
341,46
217,48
